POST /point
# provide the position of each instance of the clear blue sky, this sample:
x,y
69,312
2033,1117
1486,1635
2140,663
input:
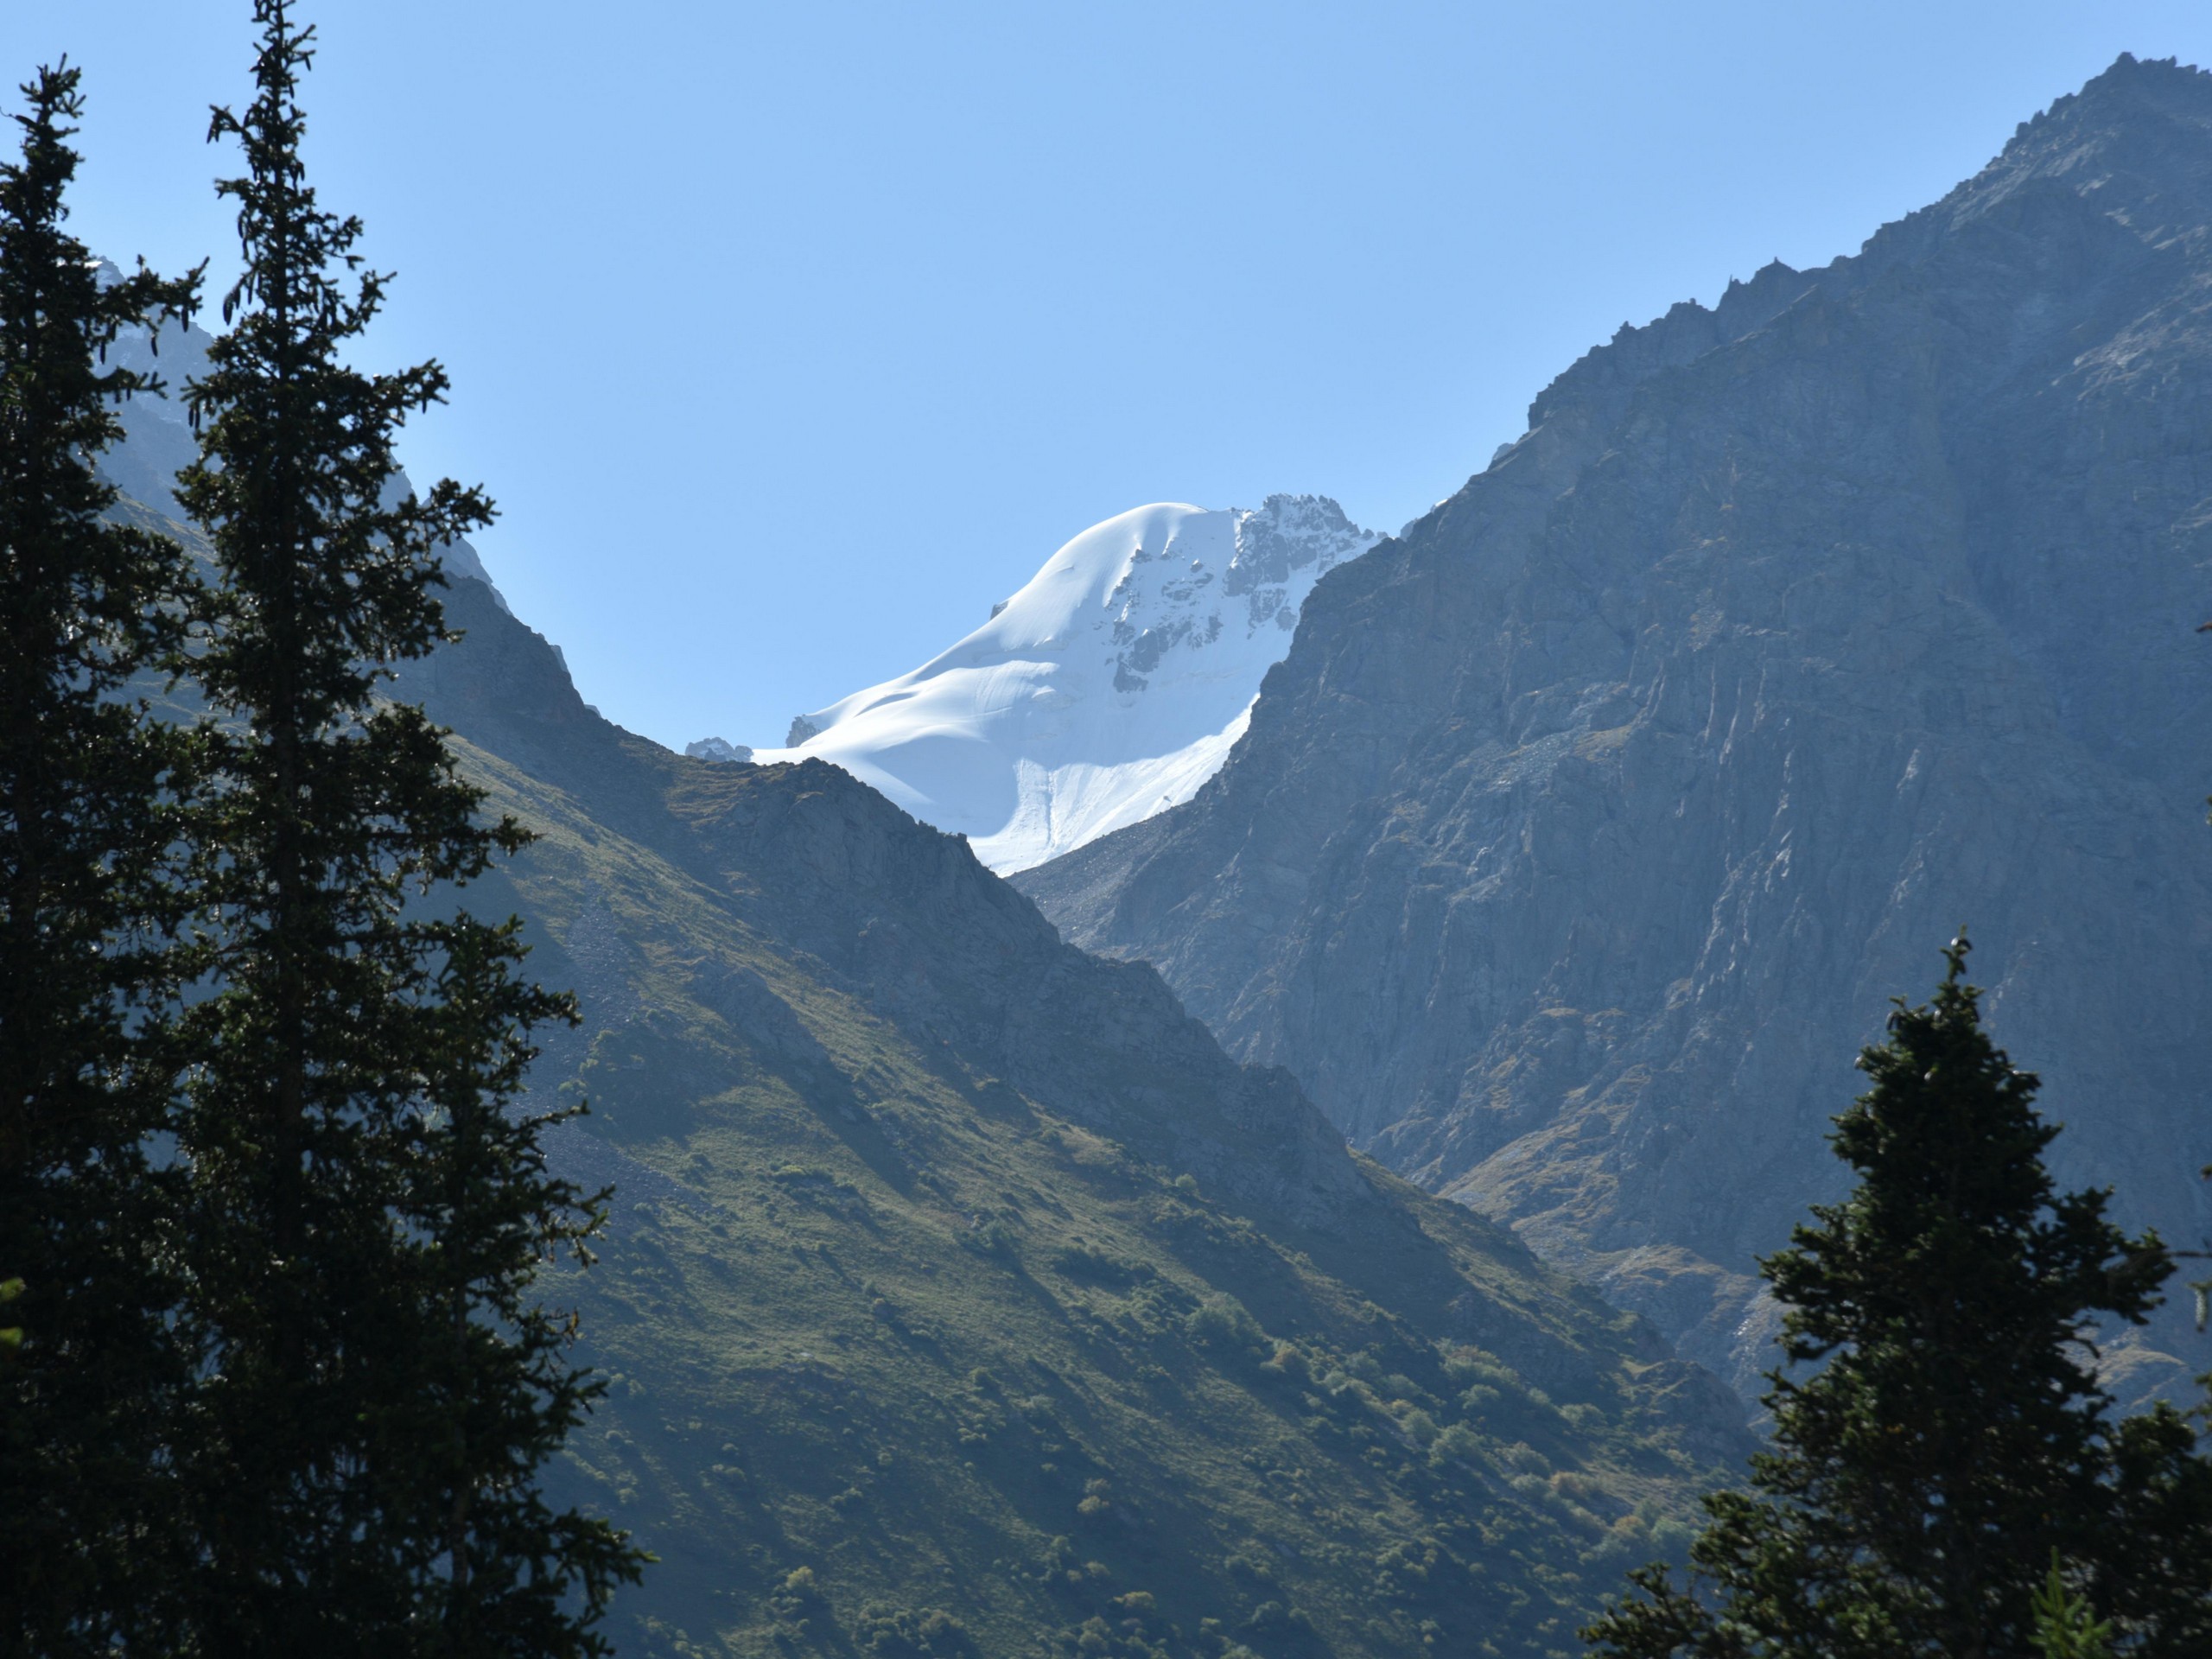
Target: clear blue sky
x,y
790,338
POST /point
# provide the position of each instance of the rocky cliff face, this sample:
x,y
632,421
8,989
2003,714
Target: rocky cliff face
x,y
1580,840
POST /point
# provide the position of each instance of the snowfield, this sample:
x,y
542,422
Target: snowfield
x,y
1109,688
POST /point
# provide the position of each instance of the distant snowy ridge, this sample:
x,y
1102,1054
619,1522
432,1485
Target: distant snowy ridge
x,y
1109,688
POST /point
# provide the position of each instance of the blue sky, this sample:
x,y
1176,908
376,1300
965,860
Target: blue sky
x,y
789,337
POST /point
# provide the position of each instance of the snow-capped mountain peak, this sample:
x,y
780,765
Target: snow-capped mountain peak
x,y
1111,687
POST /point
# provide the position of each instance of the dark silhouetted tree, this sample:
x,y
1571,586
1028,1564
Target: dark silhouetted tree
x,y
368,1209
1955,1433
88,899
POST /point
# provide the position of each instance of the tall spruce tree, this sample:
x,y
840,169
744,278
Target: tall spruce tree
x,y
380,1389
1956,1433
88,899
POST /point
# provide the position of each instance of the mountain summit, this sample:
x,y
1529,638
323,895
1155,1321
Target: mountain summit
x,y
1583,835
1109,688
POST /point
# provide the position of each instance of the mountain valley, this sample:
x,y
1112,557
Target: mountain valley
x,y
961,1297
1312,1207
962,1292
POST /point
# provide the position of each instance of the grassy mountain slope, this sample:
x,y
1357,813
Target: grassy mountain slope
x,y
964,1298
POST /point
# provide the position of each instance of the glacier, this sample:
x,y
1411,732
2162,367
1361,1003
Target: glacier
x,y
1109,688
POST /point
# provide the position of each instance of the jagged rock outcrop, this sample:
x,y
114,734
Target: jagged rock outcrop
x,y
718,749
1582,837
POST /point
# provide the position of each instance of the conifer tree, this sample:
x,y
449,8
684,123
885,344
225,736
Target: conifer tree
x,y
368,1211
2065,1627
1956,1433
88,805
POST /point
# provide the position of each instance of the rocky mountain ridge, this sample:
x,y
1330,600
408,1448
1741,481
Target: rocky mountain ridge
x,y
1587,829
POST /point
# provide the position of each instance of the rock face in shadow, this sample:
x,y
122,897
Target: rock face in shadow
x,y
1582,838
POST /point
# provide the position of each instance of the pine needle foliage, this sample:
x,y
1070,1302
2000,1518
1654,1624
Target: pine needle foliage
x,y
2066,1627
380,1389
88,900
1955,1433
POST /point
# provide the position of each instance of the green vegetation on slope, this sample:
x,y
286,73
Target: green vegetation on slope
x,y
926,1338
